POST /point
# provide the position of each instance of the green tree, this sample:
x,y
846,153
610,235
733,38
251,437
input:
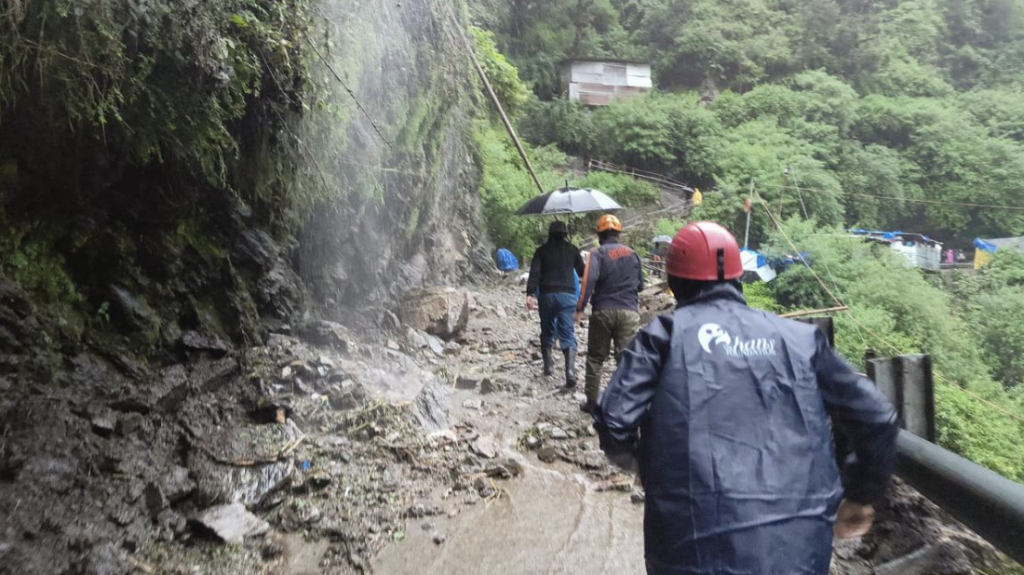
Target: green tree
x,y
504,77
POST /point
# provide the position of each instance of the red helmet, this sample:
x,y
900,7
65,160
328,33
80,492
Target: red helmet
x,y
704,251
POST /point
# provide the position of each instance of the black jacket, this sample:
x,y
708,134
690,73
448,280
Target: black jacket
x,y
552,268
728,409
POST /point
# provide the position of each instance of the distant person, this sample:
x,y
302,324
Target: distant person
x,y
727,410
553,283
658,258
611,284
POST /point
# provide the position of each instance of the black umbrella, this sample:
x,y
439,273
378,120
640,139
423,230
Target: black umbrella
x,y
569,201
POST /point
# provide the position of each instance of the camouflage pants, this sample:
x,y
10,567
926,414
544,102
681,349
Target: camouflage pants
x,y
607,326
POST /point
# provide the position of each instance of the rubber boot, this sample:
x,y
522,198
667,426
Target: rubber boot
x,y
570,367
549,364
589,406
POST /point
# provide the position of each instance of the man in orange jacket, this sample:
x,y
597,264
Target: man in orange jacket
x,y
612,282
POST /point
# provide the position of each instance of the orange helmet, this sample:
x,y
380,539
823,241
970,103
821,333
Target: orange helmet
x,y
609,222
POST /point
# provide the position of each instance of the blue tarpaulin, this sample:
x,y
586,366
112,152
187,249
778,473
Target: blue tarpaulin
x,y
507,260
985,246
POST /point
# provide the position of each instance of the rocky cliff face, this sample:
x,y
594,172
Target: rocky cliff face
x,y
404,164
127,291
352,182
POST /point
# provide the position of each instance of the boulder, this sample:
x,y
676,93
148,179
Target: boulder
x,y
193,341
443,312
328,334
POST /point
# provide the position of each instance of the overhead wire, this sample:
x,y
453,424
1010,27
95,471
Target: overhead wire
x,y
896,198
873,333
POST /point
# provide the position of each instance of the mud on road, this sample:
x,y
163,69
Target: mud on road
x,y
382,449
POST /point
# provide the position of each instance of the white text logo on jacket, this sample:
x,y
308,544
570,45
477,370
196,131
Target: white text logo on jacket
x,y
712,334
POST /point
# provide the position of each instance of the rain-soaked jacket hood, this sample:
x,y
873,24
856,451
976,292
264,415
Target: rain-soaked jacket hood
x,y
728,410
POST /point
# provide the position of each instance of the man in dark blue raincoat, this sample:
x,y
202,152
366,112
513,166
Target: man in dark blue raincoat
x,y
727,411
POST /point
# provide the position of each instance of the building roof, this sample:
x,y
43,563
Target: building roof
x,y
1012,243
888,237
604,60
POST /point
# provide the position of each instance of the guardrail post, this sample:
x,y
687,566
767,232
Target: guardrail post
x,y
907,381
824,324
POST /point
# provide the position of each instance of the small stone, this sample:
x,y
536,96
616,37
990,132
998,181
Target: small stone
x,y
104,424
547,454
156,501
484,447
636,497
417,338
326,362
483,487
475,404
468,381
427,526
393,345
488,386
440,538
129,424
558,433
542,427
232,523
286,372
532,442
506,469
436,345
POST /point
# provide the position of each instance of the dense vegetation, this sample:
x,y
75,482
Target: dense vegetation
x,y
879,114
912,100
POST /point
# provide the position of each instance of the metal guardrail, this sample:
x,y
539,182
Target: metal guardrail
x,y
981,499
988,503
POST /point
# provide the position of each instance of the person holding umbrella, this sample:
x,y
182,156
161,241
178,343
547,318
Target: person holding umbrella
x,y
612,283
552,284
555,269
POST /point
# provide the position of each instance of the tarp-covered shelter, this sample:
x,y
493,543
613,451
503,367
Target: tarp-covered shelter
x,y
918,250
983,249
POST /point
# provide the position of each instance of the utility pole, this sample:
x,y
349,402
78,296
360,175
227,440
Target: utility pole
x,y
749,207
501,112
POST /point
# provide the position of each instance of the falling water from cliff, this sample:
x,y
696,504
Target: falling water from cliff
x,y
386,155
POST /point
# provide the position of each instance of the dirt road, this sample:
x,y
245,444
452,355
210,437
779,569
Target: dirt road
x,y
575,515
558,517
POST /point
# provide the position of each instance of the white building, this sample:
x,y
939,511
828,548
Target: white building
x,y
598,82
